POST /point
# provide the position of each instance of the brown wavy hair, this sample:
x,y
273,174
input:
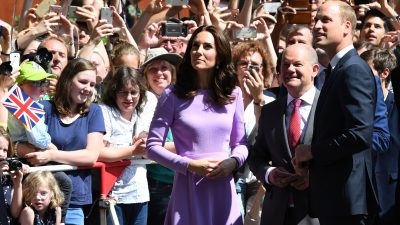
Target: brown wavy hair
x,y
122,78
224,77
61,98
32,183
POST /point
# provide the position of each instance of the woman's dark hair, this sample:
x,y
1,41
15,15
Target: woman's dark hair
x,y
224,77
121,79
62,99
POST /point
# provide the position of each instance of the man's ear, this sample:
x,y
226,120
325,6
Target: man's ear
x,y
315,69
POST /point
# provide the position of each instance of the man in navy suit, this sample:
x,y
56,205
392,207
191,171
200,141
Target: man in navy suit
x,y
339,158
286,201
386,163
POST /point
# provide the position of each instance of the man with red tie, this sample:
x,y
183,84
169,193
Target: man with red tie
x,y
284,124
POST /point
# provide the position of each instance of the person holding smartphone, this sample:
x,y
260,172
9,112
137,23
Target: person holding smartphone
x,y
284,124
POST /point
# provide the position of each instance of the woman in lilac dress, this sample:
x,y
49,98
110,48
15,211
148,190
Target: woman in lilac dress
x,y
204,110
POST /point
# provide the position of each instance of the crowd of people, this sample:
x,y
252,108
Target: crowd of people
x,y
250,115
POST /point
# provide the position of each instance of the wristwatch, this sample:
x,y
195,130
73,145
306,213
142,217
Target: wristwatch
x,y
261,103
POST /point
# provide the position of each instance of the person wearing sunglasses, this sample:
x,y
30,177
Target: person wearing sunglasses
x,y
33,80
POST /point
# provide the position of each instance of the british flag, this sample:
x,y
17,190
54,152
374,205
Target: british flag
x,y
23,107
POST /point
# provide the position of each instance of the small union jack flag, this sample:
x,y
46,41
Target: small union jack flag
x,y
23,107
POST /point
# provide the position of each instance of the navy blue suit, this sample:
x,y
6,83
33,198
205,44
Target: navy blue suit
x,y
386,169
341,168
381,135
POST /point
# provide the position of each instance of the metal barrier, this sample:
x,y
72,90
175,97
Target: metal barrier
x,y
109,173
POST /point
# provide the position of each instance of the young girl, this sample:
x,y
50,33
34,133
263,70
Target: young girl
x,y
123,99
43,197
12,188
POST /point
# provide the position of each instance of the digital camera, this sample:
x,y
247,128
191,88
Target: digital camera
x,y
14,164
174,29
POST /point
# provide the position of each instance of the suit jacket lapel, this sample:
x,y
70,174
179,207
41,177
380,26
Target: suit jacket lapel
x,y
283,129
332,77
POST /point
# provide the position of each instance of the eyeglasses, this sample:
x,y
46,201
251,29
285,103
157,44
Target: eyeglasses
x,y
244,64
39,83
125,94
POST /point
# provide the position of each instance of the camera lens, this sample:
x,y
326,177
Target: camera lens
x,y
43,58
14,164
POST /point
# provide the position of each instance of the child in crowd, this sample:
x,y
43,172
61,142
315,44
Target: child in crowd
x,y
42,197
33,81
12,186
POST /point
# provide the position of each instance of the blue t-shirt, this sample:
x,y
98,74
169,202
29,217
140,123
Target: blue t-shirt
x,y
71,137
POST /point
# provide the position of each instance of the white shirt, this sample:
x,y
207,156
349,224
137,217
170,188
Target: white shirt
x,y
305,109
131,186
334,61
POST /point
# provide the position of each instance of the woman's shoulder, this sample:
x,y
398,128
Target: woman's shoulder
x,y
237,91
94,107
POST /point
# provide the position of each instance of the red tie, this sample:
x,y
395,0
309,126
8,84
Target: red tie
x,y
294,125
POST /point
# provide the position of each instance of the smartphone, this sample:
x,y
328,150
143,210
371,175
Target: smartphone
x,y
255,67
106,14
55,9
245,33
271,7
43,7
15,60
177,2
72,13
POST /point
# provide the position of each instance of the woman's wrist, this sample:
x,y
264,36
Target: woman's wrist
x,y
236,161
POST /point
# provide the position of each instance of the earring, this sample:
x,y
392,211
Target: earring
x,y
217,67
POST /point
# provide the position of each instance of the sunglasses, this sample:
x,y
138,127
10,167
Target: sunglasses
x,y
39,83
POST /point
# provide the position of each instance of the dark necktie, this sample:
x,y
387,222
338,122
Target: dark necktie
x,y
328,71
294,125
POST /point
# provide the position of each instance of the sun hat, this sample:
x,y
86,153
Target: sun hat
x,y
161,53
33,72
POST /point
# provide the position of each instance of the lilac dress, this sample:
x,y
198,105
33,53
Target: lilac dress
x,y
200,131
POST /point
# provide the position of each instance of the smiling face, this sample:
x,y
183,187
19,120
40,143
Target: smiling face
x,y
373,30
82,87
331,32
203,53
298,70
127,100
158,75
42,198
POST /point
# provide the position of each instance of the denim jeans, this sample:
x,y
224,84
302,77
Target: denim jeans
x,y
160,194
130,214
74,216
